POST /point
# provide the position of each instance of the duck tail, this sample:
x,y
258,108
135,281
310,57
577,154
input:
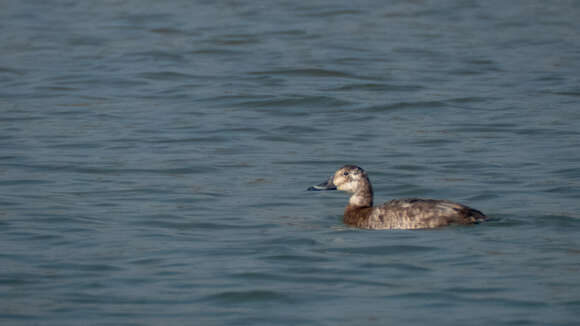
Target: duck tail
x,y
475,216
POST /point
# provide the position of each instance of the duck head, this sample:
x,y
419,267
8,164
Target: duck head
x,y
349,178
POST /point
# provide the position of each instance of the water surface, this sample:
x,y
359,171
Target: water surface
x,y
155,158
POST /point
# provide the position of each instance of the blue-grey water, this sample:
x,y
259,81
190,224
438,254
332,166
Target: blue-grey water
x,y
155,155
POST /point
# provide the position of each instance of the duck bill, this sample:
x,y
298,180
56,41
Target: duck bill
x,y
326,185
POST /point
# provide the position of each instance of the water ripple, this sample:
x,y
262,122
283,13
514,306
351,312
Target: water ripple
x,y
383,250
247,297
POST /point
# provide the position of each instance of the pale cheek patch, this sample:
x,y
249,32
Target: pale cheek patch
x,y
348,187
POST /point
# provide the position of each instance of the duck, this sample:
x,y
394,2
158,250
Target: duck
x,y
408,213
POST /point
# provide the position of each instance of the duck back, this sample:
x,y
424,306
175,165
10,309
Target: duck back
x,y
412,213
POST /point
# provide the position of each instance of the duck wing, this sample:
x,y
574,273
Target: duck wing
x,y
416,213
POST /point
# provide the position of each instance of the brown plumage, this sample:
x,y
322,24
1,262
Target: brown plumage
x,y
412,213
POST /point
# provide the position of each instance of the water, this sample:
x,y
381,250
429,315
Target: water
x,y
155,158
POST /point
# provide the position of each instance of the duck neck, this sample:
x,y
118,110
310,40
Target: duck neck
x,y
362,197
